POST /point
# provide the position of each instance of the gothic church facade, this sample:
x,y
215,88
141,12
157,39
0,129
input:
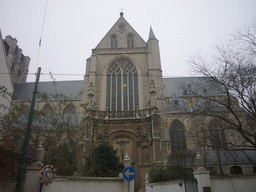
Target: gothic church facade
x,y
123,90
133,108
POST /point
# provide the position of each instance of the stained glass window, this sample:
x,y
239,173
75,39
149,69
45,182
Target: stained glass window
x,y
122,86
177,136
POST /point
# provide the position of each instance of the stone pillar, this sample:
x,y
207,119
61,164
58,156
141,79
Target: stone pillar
x,y
128,185
32,180
202,176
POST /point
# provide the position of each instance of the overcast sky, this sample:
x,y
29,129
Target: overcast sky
x,y
73,27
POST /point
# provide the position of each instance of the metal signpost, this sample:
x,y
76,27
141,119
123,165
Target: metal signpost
x,y
129,174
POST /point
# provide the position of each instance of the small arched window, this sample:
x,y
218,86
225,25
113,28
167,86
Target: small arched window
x,y
69,109
113,41
236,170
177,136
130,41
254,169
24,110
47,109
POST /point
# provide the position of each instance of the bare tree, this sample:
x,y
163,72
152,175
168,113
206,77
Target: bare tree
x,y
232,70
56,122
184,158
209,136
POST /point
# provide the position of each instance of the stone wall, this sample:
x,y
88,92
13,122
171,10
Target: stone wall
x,y
88,184
173,186
234,184
219,184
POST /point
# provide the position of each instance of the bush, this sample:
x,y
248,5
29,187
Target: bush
x,y
169,173
103,162
63,159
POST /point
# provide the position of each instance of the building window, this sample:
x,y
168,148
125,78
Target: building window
x,y
69,109
24,110
130,41
217,135
113,41
235,170
177,136
70,116
122,86
47,109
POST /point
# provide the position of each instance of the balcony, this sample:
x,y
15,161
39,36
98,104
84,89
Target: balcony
x,y
121,115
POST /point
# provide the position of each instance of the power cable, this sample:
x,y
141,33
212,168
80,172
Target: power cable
x,y
40,40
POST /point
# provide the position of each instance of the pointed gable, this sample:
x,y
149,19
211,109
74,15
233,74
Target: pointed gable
x,y
121,35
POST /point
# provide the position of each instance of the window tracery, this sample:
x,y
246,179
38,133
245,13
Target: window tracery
x,y
177,136
122,86
47,109
217,134
69,109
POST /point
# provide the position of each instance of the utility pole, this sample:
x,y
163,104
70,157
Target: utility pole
x,y
27,136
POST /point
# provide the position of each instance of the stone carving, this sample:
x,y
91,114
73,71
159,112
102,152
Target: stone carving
x,y
145,156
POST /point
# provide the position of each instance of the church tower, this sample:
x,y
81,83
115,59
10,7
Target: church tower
x,y
124,97
17,63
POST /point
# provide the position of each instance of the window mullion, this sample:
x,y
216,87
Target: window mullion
x,y
122,91
133,93
128,93
110,102
116,91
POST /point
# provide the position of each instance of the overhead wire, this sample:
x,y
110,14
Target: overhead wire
x,y
41,36
51,75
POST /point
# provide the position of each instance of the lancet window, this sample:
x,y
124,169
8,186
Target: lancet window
x,y
177,136
113,41
130,41
122,86
217,134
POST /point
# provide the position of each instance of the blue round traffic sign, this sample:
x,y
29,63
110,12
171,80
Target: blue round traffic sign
x,y
129,173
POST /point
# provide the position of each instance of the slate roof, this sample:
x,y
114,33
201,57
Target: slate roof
x,y
177,86
151,34
231,157
24,91
173,87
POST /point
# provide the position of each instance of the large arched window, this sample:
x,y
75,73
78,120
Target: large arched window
x,y
122,86
177,136
130,41
113,41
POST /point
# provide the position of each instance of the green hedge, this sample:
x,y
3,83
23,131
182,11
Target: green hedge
x,y
169,173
